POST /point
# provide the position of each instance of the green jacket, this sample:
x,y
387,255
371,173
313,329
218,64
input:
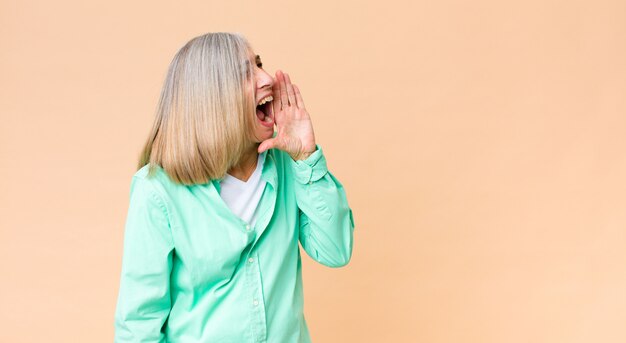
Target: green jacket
x,y
193,271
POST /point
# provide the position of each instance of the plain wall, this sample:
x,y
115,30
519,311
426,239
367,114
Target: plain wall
x,y
482,146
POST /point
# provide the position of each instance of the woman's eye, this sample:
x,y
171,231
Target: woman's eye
x,y
260,65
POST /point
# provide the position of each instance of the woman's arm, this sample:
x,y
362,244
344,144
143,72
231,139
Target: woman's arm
x,y
143,304
326,222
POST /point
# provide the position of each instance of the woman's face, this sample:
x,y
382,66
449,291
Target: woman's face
x,y
263,96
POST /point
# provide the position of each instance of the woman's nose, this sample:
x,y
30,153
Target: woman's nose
x,y
265,80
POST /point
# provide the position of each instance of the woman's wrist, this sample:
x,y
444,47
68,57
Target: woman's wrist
x,y
304,155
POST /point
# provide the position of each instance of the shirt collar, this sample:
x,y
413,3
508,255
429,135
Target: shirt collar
x,y
269,172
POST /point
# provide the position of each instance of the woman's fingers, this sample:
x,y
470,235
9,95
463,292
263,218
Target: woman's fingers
x,y
285,93
290,93
298,96
276,105
283,90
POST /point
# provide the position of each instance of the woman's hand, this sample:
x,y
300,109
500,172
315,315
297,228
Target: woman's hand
x,y
295,130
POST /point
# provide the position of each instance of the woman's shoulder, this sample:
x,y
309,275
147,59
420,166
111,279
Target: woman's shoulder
x,y
153,185
154,177
150,172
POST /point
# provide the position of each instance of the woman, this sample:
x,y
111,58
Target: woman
x,y
220,202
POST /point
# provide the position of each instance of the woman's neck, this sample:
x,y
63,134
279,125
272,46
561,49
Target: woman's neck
x,y
246,165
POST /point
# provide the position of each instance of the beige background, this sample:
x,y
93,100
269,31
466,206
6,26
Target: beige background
x,y
481,144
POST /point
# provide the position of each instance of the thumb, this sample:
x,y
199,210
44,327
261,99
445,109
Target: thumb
x,y
267,144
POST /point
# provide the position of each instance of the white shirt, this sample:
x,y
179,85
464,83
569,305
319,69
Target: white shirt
x,y
243,197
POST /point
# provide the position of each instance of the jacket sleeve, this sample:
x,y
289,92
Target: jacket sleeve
x,y
143,303
325,219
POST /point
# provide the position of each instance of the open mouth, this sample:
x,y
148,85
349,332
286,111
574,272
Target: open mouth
x,y
265,115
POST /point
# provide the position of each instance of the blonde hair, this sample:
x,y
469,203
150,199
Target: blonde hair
x,y
205,115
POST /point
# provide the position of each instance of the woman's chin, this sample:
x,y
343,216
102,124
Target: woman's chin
x,y
264,132
269,132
